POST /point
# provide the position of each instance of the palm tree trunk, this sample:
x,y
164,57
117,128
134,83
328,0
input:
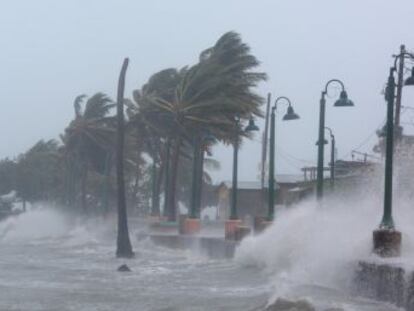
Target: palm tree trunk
x,y
107,184
134,198
70,186
200,180
84,179
124,248
167,179
155,208
159,179
172,204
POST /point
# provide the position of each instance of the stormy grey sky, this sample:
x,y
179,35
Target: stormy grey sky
x,y
52,51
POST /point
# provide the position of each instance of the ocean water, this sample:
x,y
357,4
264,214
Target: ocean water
x,y
49,261
312,250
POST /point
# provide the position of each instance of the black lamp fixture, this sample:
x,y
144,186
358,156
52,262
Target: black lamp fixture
x,y
290,114
252,126
343,100
325,142
410,80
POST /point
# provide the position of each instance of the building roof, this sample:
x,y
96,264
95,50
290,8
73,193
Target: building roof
x,y
256,185
247,185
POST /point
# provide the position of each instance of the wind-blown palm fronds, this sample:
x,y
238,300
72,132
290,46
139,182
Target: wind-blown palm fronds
x,y
89,138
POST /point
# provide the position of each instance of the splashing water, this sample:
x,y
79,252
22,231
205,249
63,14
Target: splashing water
x,y
309,253
319,245
34,224
54,262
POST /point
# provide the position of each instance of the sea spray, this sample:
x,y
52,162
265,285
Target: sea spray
x,y
47,222
34,224
320,244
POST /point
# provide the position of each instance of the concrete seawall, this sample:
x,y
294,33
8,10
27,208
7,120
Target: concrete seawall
x,y
388,282
213,247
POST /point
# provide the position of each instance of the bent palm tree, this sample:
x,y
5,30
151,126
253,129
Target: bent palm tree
x,y
205,98
88,139
123,246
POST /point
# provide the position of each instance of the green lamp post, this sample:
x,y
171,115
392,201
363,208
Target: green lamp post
x,y
332,164
249,128
290,115
400,70
387,240
387,220
343,101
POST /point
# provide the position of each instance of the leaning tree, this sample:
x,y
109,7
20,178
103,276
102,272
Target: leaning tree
x,y
88,140
207,97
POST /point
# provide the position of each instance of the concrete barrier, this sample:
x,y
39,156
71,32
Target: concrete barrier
x,y
212,247
386,282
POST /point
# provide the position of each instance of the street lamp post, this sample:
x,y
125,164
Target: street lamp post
x,y
343,101
400,58
290,115
233,221
387,240
249,128
332,166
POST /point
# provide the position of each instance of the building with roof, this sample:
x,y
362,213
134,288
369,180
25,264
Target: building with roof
x,y
252,198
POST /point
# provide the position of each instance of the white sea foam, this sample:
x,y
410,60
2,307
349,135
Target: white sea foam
x,y
35,224
320,244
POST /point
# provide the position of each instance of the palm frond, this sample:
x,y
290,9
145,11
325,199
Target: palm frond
x,y
98,106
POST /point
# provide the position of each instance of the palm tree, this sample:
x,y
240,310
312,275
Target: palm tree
x,y
88,140
124,248
206,97
38,173
154,126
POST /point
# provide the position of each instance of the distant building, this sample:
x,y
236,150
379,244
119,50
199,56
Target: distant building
x,y
252,199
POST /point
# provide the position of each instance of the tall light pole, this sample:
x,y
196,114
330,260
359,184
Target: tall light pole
x,y
233,221
249,128
387,220
332,166
343,101
387,240
400,58
290,115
